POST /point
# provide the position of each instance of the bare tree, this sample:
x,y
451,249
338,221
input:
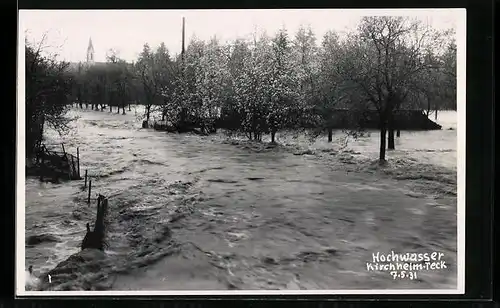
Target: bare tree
x,y
384,59
120,80
48,94
328,92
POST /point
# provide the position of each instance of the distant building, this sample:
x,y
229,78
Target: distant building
x,y
90,61
90,53
91,56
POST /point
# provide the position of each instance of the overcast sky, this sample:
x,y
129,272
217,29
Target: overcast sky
x,y
127,30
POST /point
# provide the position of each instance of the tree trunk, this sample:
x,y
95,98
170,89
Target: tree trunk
x,y
148,108
273,136
436,115
391,126
428,107
256,136
390,145
383,131
110,108
330,134
129,107
398,133
42,125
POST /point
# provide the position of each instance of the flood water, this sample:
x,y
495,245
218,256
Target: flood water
x,y
189,212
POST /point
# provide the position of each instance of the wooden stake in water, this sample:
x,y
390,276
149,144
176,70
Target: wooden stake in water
x,y
78,161
73,168
90,189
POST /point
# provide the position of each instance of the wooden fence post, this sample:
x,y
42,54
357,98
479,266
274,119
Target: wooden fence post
x,y
85,179
105,205
73,168
101,212
78,161
90,189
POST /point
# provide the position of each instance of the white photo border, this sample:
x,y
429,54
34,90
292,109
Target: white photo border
x,y
461,38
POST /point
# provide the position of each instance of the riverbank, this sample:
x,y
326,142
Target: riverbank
x,y
190,212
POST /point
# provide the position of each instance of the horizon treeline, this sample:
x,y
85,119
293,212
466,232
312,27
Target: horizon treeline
x,y
283,80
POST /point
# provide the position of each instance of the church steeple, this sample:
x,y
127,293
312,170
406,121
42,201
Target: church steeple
x,y
90,52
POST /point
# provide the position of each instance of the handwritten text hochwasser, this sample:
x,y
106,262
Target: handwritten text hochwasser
x,y
407,257
406,261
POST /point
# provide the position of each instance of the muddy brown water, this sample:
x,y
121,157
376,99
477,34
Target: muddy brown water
x,y
195,213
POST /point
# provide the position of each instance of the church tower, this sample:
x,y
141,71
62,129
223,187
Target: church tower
x,y
90,52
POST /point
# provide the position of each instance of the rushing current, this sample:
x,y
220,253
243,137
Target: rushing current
x,y
189,212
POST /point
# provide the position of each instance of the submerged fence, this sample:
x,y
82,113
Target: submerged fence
x,y
61,164
57,164
95,238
